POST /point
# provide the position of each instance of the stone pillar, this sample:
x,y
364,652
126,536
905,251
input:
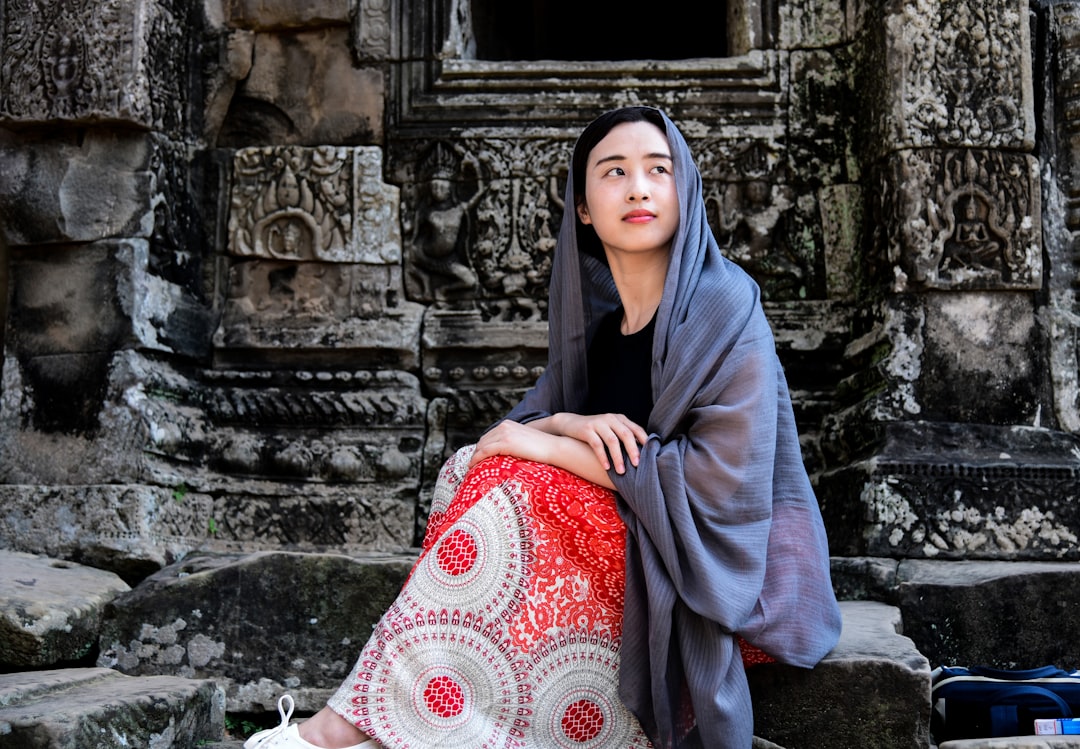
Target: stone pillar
x,y
1062,188
103,261
949,443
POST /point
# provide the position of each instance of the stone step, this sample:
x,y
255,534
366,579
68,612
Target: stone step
x,y
872,690
98,708
254,625
823,708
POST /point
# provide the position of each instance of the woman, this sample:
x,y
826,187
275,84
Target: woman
x,y
602,565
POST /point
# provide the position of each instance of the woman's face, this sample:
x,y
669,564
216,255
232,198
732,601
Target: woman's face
x,y
630,194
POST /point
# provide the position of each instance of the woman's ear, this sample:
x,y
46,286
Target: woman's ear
x,y
583,213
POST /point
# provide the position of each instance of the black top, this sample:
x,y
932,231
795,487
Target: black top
x,y
620,370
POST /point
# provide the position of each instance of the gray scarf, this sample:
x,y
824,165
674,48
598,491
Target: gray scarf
x,y
724,533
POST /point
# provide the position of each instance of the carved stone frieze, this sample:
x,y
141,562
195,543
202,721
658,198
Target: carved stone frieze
x,y
94,60
959,74
962,219
327,203
959,491
481,218
463,352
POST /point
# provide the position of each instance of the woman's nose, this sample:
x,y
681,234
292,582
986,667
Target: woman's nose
x,y
639,189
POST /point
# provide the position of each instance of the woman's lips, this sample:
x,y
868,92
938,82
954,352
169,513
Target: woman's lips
x,y
638,217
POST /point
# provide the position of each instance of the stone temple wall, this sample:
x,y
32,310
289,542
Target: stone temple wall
x,y
267,263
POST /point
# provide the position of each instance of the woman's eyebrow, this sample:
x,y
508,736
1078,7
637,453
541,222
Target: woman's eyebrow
x,y
620,157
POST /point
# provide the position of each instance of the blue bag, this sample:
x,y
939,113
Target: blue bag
x,y
983,702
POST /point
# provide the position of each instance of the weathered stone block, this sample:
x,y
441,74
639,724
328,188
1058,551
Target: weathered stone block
x,y
980,359
66,191
84,61
261,624
304,89
1001,614
958,491
101,708
872,691
809,24
50,609
274,14
99,298
131,530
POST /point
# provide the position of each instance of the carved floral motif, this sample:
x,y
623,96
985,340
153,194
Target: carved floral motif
x,y
964,73
303,204
92,59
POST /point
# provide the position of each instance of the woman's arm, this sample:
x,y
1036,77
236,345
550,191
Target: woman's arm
x,y
576,443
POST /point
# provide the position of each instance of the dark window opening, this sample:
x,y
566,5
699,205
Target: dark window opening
x,y
598,30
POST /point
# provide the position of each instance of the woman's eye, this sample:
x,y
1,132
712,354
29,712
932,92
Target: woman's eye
x,y
616,171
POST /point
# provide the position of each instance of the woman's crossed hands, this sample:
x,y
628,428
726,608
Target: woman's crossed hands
x,y
610,438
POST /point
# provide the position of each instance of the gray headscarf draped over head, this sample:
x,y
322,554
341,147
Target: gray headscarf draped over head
x,y
724,534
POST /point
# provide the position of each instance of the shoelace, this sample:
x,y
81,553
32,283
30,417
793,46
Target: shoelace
x,y
283,700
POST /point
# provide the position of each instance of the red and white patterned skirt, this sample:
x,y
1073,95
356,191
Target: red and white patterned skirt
x,y
507,632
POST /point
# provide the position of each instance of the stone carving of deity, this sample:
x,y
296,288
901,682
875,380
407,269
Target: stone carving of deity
x,y
973,244
439,268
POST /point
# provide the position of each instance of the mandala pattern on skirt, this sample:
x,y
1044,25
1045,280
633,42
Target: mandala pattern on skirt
x,y
479,563
464,677
574,704
507,632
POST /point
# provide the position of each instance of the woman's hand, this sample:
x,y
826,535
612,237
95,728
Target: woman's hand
x,y
514,439
607,435
576,443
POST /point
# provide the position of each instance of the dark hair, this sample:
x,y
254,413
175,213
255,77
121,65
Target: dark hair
x,y
595,132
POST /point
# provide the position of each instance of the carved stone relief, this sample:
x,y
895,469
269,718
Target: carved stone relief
x,y
316,239
479,229
94,60
753,212
963,219
302,204
373,29
961,74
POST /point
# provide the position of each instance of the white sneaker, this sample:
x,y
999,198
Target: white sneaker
x,y
287,736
